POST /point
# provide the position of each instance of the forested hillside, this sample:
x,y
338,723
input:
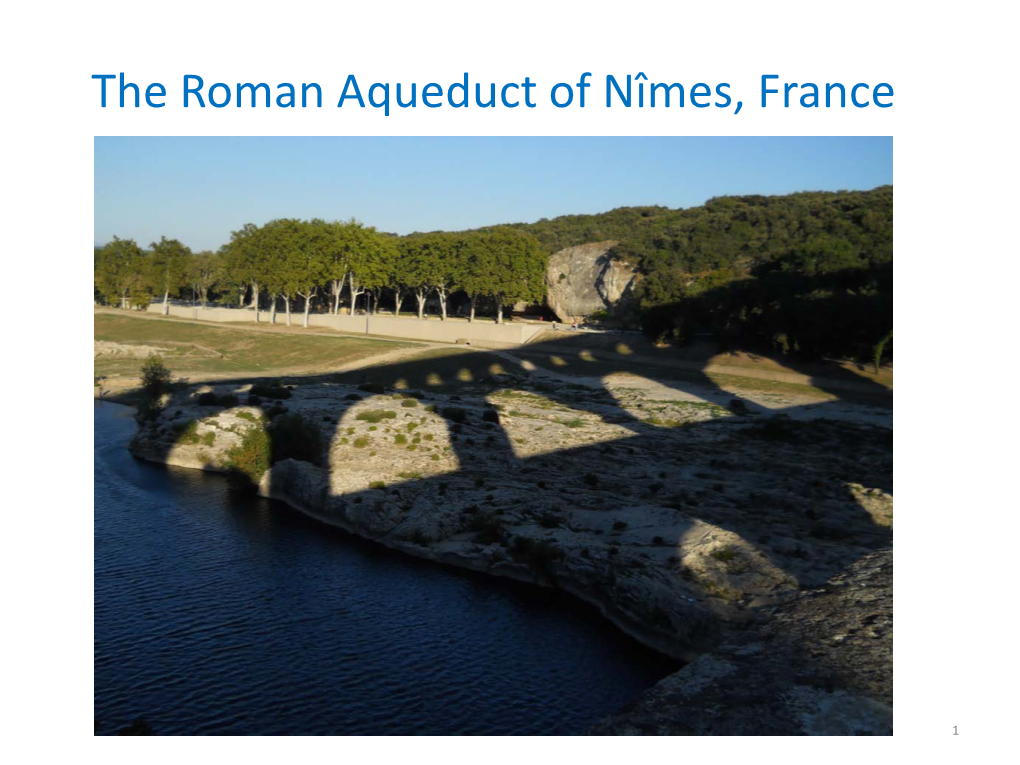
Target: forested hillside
x,y
808,273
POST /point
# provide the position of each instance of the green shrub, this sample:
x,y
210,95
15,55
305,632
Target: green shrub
x,y
187,432
375,415
400,438
361,442
377,485
409,403
156,377
270,390
250,459
156,381
294,437
724,554
487,527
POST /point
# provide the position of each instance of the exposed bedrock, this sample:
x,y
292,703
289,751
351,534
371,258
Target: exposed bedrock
x,y
588,278
818,664
680,520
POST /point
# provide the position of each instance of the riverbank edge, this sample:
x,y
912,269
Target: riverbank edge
x,y
734,655
507,570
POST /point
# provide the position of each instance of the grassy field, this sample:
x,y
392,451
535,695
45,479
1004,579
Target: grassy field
x,y
203,351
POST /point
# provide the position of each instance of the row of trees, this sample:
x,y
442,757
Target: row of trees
x,y
288,260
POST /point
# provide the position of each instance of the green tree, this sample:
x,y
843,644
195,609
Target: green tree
x,y
245,261
281,244
477,264
310,269
119,267
205,271
157,381
519,264
371,256
168,268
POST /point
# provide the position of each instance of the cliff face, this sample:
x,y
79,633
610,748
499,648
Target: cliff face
x,y
584,279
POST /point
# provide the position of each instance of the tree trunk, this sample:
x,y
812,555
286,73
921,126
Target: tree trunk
x,y
255,302
337,286
308,300
398,298
442,302
286,303
499,309
166,303
353,286
272,309
421,304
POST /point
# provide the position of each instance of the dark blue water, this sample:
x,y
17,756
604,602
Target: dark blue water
x,y
224,613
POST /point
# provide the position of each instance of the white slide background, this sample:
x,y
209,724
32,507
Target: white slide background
x,y
953,121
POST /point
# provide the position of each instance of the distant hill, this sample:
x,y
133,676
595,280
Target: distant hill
x,y
808,272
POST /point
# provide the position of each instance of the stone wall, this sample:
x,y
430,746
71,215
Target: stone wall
x,y
479,333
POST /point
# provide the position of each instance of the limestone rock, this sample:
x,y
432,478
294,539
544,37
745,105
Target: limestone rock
x,y
588,278
818,664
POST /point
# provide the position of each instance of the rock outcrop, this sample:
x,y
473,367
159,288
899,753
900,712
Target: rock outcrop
x,y
679,520
588,278
818,664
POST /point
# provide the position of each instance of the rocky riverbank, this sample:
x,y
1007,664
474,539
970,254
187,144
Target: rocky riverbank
x,y
689,525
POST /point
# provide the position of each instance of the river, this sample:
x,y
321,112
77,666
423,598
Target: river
x,y
224,613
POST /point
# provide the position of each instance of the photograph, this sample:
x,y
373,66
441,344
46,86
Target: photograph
x,y
493,436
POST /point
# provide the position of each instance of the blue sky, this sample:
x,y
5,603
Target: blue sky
x,y
200,189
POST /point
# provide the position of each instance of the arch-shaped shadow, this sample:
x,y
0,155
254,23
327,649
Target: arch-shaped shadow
x,y
763,504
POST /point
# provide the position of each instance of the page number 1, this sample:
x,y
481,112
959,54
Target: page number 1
x,y
955,731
